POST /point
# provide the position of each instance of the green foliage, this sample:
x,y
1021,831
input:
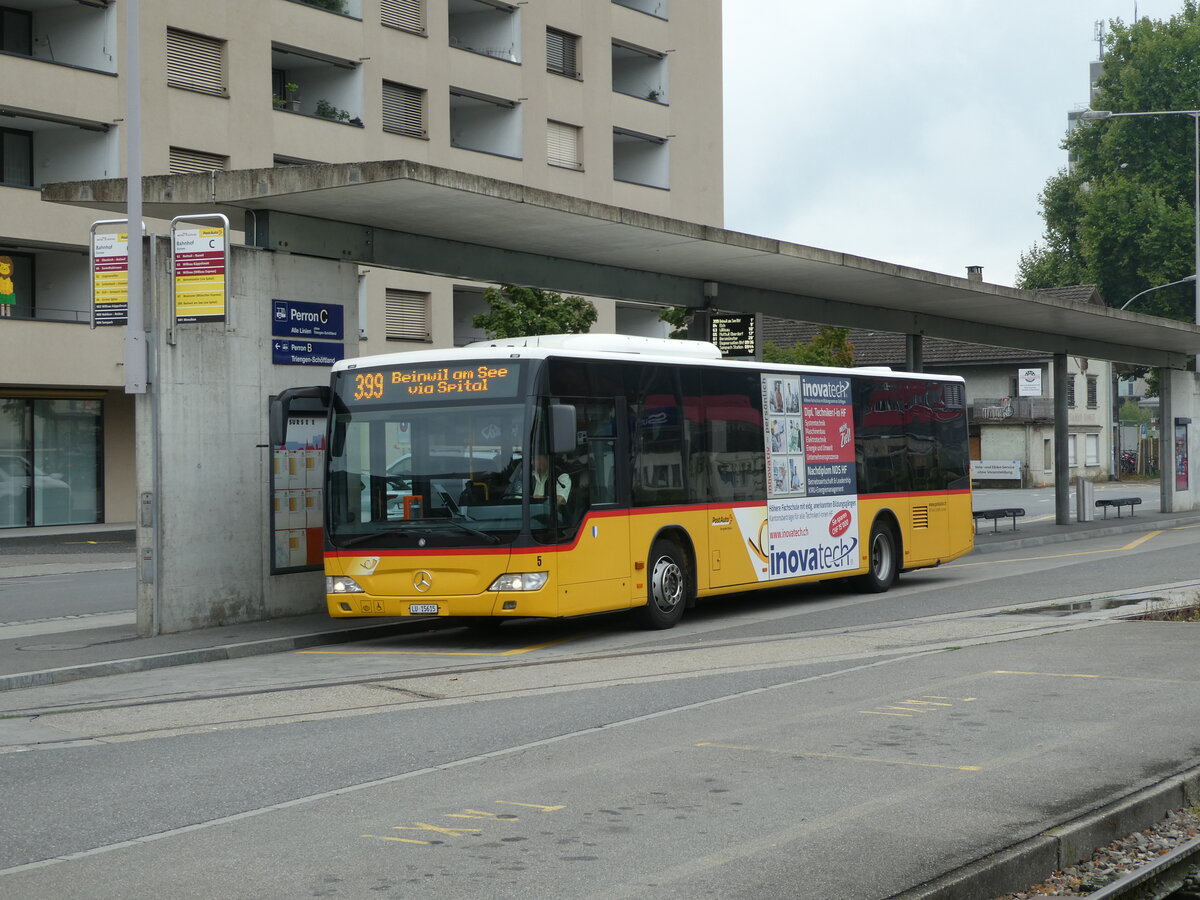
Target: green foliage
x,y
1132,414
337,6
1122,218
678,317
830,347
521,311
327,110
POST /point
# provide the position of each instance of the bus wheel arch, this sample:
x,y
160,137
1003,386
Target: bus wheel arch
x,y
885,551
670,579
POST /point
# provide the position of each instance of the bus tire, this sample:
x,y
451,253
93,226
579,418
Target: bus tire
x,y
667,586
882,560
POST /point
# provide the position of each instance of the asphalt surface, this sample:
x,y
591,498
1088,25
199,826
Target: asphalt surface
x,y
1079,796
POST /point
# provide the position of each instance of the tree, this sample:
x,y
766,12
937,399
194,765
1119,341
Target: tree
x,y
1121,217
678,317
521,311
829,347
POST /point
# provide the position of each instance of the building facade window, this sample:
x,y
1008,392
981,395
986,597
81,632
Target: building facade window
x,y
1070,391
640,159
563,147
184,161
485,124
639,72
489,27
562,53
406,316
1071,457
16,157
404,109
50,470
195,62
16,31
407,15
1091,449
1092,391
656,8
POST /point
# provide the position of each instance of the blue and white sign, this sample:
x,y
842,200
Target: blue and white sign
x,y
297,319
306,353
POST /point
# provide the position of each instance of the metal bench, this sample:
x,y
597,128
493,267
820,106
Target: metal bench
x,y
1003,512
1118,502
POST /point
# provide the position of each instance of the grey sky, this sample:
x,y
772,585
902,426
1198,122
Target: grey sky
x,y
917,132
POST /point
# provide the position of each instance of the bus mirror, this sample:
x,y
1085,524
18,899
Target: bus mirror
x,y
281,406
562,428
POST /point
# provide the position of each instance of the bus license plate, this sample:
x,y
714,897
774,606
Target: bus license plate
x,y
422,609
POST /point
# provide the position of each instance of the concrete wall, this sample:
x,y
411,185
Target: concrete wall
x,y
202,450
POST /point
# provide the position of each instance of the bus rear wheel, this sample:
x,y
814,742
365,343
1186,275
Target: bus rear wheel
x,y
882,561
668,586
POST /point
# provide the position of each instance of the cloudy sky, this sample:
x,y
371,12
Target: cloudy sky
x,y
917,132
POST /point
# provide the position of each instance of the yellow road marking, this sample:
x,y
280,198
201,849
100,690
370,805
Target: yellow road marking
x,y
532,805
872,759
425,826
1132,545
381,837
1141,540
871,712
1044,674
515,652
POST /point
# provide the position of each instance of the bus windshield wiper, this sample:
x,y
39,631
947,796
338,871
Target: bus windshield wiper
x,y
371,535
490,538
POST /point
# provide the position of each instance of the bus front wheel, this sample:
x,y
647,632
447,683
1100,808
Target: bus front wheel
x,y
881,557
668,586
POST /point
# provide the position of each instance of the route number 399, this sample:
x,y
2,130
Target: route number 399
x,y
368,386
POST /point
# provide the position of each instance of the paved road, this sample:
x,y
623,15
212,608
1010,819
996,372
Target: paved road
x,y
802,744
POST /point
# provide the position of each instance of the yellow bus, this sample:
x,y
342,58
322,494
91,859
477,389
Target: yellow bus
x,y
564,475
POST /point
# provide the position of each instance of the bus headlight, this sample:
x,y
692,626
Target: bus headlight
x,y
340,584
519,581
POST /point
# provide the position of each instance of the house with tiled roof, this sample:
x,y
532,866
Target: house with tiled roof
x,y
1009,395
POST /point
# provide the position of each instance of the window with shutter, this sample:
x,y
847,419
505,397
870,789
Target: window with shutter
x,y
1092,390
184,161
408,15
403,109
561,53
406,316
1071,391
194,62
562,145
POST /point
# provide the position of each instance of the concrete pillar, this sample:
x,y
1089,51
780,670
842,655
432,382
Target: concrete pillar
x,y
913,350
1166,441
1062,459
203,463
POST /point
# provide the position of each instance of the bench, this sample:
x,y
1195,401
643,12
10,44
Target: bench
x,y
1118,502
1003,512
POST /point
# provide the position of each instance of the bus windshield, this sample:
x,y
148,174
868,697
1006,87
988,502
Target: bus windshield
x,y
425,472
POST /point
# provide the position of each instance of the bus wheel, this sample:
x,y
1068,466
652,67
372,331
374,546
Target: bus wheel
x,y
882,558
668,586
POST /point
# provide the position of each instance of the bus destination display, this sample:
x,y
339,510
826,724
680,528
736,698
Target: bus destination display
x,y
407,384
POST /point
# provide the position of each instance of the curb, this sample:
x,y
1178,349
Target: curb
x,y
1029,862
199,655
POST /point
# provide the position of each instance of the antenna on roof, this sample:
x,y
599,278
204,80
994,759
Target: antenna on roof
x,y
1099,33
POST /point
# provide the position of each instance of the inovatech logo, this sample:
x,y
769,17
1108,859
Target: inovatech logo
x,y
813,560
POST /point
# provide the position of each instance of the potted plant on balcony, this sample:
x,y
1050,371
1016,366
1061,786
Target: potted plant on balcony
x,y
289,100
327,110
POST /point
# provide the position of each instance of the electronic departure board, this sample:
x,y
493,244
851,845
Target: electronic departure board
x,y
424,383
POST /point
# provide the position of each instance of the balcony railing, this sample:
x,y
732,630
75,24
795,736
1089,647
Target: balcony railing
x,y
1012,410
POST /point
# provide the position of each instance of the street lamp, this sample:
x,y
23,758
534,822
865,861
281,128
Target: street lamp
x,y
1092,115
1158,287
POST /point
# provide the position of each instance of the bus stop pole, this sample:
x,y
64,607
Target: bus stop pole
x,y
1062,459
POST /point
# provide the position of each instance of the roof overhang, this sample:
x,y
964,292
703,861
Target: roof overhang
x,y
424,218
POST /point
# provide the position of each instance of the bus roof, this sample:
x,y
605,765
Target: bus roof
x,y
667,351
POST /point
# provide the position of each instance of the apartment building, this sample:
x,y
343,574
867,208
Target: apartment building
x,y
614,101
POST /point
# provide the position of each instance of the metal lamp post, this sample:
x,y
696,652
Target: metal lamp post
x,y
1092,115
